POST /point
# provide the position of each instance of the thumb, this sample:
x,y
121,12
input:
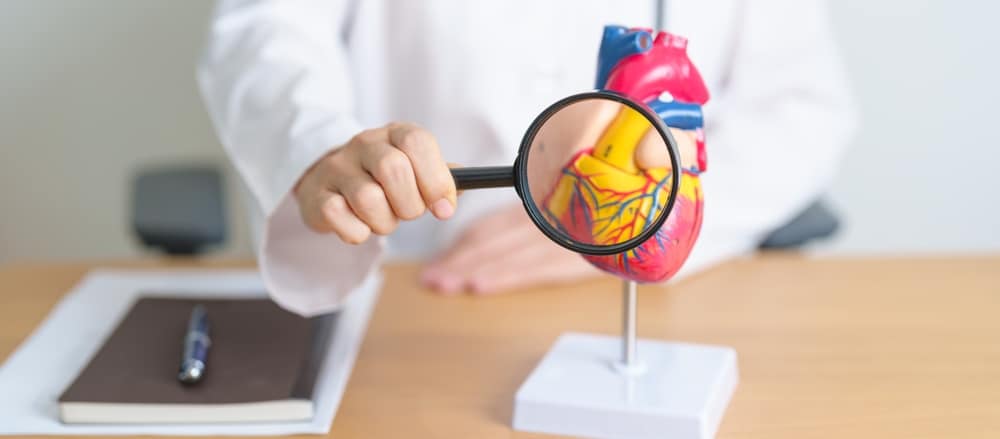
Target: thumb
x,y
456,166
652,153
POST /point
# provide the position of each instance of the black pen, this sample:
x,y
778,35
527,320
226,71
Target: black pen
x,y
196,344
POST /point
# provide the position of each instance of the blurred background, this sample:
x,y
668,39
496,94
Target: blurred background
x,y
921,177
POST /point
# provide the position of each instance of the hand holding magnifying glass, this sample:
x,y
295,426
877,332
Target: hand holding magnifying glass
x,y
597,174
396,173
380,177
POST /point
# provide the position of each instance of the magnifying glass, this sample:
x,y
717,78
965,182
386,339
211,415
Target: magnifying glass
x,y
597,172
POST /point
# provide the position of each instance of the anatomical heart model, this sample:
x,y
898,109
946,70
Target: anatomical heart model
x,y
605,194
613,178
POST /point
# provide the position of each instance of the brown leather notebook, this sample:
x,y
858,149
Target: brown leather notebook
x,y
262,366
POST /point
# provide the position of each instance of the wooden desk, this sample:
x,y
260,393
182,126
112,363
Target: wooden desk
x,y
828,349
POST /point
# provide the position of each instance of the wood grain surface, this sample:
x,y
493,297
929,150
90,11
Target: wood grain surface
x,y
828,348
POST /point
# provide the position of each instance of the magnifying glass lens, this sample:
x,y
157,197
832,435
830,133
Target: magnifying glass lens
x,y
599,174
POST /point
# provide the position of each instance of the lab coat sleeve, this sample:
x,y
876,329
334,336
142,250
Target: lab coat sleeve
x,y
776,130
275,80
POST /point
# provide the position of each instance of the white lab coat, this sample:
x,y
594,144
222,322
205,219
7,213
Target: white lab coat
x,y
287,81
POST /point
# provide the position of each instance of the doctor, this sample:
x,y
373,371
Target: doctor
x,y
341,116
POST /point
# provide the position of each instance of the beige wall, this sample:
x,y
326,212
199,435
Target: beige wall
x,y
924,173
92,90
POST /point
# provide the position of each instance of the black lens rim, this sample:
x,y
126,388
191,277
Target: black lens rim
x,y
521,175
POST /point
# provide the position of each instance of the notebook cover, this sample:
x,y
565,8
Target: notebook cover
x,y
259,353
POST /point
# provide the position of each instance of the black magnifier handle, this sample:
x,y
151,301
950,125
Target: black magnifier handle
x,y
483,177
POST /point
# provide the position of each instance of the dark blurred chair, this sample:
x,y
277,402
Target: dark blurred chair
x,y
815,222
179,210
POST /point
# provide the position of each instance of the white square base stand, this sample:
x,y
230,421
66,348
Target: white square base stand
x,y
677,390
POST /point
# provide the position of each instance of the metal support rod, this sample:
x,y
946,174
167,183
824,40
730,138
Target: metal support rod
x,y
659,10
628,323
